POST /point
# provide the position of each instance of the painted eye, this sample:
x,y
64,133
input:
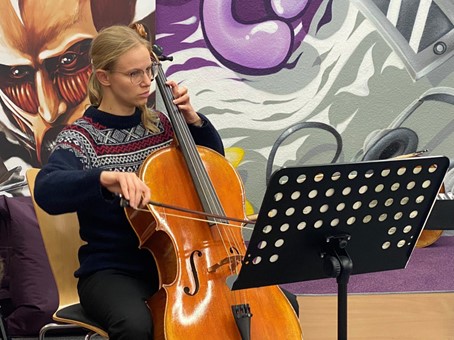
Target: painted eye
x,y
19,72
68,59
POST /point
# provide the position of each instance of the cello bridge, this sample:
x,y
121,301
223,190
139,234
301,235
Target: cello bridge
x,y
232,261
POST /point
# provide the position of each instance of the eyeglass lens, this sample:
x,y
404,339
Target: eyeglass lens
x,y
137,76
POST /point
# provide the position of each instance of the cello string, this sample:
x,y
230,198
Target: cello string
x,y
214,203
226,235
180,125
207,188
216,206
194,157
200,176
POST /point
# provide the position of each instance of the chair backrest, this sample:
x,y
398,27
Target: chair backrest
x,y
62,241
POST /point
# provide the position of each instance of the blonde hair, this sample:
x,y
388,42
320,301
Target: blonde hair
x,y
105,49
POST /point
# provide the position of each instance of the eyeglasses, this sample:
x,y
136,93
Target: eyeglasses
x,y
137,76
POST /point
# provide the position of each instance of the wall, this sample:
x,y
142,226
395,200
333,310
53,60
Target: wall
x,y
287,83
291,83
44,68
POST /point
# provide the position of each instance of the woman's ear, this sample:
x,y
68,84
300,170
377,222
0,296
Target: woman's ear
x,y
103,77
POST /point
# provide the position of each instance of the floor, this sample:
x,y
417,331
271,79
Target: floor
x,y
421,316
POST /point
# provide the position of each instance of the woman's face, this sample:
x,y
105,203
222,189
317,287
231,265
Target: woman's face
x,y
126,95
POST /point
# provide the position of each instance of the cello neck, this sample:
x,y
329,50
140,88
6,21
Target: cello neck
x,y
181,130
187,146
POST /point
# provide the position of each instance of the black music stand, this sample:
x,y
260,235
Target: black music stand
x,y
336,220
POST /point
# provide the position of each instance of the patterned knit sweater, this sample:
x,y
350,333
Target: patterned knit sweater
x,y
96,142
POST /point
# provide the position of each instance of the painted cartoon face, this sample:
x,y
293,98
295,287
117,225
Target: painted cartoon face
x,y
44,67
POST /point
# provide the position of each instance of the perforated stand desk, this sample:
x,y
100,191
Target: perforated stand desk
x,y
336,220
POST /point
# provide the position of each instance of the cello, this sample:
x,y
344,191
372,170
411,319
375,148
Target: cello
x,y
200,249
428,236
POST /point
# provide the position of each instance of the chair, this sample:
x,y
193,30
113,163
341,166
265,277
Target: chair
x,y
2,328
61,240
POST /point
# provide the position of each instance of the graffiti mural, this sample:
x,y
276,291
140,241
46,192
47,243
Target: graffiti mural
x,y
44,69
290,83
287,83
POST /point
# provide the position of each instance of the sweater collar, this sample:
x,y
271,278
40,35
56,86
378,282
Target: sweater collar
x,y
111,120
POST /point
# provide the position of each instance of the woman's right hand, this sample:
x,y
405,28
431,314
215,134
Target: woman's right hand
x,y
128,185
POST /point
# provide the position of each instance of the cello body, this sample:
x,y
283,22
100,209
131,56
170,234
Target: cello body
x,y
195,257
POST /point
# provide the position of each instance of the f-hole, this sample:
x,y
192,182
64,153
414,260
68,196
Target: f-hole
x,y
187,290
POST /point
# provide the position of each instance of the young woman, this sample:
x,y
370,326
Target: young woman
x,y
95,160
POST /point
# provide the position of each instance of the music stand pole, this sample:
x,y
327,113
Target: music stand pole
x,y
338,264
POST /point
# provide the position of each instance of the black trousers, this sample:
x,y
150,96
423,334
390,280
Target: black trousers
x,y
116,300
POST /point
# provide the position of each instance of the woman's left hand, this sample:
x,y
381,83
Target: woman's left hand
x,y
183,102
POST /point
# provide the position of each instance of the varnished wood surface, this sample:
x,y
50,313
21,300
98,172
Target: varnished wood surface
x,y
420,316
62,241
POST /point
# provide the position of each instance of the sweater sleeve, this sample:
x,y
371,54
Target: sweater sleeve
x,y
207,135
62,187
